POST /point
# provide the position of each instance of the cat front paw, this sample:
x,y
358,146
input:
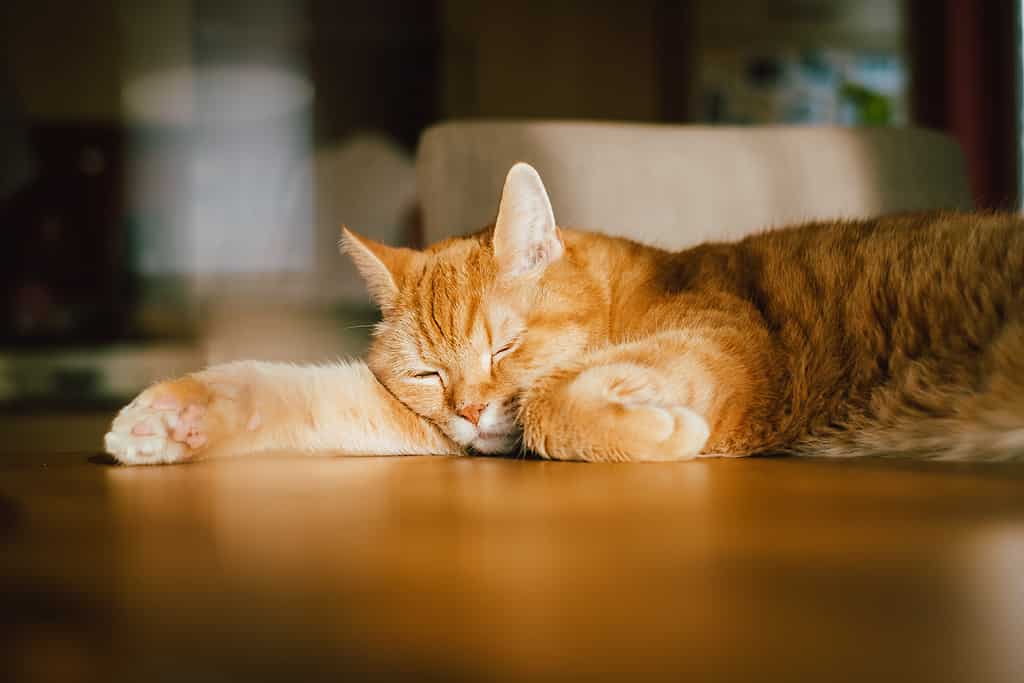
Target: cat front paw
x,y
622,412
165,424
663,432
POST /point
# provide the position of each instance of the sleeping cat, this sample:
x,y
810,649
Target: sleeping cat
x,y
900,335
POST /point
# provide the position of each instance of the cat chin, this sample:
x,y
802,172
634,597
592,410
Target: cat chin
x,y
494,445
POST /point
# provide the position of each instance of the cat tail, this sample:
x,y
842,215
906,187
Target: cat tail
x,y
990,436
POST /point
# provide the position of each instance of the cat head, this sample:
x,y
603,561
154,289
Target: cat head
x,y
470,323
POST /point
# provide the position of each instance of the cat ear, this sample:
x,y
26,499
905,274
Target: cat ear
x,y
379,264
526,238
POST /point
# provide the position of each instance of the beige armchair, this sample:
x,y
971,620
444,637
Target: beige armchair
x,y
676,186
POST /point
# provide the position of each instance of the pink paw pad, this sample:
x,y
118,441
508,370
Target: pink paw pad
x,y
143,429
187,430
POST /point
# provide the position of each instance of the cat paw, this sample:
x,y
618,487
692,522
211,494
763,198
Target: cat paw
x,y
164,424
660,432
634,417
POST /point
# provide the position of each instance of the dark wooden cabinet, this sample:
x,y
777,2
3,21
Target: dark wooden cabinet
x,y
66,269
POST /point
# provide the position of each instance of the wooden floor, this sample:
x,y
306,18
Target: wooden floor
x,y
452,569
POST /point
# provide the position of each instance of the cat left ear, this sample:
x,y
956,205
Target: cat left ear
x,y
380,265
526,239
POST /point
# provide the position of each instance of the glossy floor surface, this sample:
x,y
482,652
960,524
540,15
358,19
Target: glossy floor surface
x,y
449,569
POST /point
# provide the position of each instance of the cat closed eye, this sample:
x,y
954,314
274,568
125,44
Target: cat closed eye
x,y
428,375
503,351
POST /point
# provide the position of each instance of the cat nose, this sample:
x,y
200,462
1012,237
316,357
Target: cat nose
x,y
472,412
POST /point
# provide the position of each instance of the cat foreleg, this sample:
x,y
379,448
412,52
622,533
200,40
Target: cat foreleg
x,y
247,407
665,397
615,412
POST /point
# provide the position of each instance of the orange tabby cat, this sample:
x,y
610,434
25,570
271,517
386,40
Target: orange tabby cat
x,y
901,335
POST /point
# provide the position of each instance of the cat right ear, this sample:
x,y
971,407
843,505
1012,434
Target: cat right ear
x,y
380,265
526,239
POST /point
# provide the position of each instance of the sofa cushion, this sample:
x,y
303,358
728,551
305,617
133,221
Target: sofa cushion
x,y
676,186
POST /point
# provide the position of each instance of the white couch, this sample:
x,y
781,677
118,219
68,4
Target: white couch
x,y
676,186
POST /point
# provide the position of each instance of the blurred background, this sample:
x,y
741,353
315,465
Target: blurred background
x,y
173,173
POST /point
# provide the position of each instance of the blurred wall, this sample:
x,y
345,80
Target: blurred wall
x,y
756,24
64,57
573,58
